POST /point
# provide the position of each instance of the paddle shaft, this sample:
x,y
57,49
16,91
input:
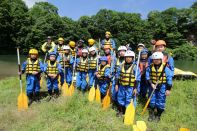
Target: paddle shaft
x,y
19,69
147,103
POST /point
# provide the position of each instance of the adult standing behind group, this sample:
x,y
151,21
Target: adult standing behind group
x,y
48,46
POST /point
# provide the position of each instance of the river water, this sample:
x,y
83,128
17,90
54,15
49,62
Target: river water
x,y
9,66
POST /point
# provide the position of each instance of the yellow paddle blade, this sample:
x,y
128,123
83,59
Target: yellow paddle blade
x,y
141,125
135,128
71,89
129,114
64,89
106,100
22,101
98,95
184,129
91,95
41,80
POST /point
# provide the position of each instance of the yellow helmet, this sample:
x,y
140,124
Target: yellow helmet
x,y
107,33
61,39
33,51
72,44
107,46
91,41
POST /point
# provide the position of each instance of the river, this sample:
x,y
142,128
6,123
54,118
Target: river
x,y
9,66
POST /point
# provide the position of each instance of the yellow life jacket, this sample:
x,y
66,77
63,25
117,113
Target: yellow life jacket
x,y
60,49
83,65
52,69
127,77
73,52
31,67
154,75
92,62
107,42
118,63
67,63
102,72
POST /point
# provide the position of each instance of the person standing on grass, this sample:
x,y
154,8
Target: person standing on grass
x,y
52,69
33,69
126,83
159,73
103,76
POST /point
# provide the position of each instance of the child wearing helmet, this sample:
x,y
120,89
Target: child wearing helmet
x,y
160,46
103,75
52,69
119,62
82,68
92,65
126,82
72,48
158,73
66,58
142,66
60,45
33,69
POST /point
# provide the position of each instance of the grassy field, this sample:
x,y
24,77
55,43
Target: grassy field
x,y
76,113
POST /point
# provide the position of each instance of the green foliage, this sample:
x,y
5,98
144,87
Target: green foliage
x,y
29,28
185,52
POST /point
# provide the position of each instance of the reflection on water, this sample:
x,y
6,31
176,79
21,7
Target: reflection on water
x,y
9,66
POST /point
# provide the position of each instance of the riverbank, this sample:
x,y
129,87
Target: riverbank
x,y
76,113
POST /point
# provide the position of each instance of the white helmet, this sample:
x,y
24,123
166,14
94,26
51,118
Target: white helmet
x,y
65,47
122,48
92,49
84,51
140,44
129,53
157,55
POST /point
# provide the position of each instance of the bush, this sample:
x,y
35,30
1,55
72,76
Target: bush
x,y
185,52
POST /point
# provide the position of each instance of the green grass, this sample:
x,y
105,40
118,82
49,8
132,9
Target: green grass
x,y
76,113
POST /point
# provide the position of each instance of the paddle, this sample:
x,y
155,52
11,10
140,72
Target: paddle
x,y
72,88
98,93
107,99
65,90
22,98
130,110
148,101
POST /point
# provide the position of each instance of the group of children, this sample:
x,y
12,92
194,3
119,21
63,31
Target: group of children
x,y
126,76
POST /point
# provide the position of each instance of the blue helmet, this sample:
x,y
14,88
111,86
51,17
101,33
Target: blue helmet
x,y
144,51
53,53
103,58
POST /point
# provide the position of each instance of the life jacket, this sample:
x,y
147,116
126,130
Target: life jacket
x,y
102,72
67,63
92,62
52,69
48,46
83,65
127,77
79,52
143,66
73,52
155,74
118,63
60,49
107,42
32,67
